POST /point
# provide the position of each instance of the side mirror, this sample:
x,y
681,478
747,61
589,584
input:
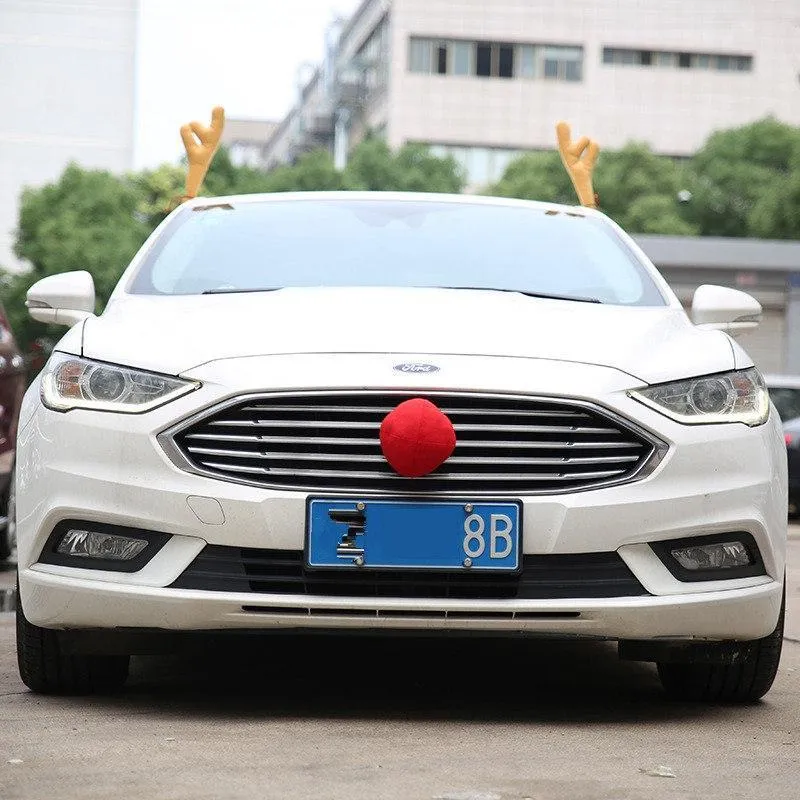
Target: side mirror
x,y
722,309
62,299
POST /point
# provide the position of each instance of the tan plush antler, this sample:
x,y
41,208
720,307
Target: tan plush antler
x,y
201,143
579,159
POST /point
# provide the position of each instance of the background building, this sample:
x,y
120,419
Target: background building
x,y
66,94
246,140
485,81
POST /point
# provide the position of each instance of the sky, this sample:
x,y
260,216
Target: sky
x,y
241,54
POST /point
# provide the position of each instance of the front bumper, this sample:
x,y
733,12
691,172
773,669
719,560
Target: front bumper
x,y
60,602
109,468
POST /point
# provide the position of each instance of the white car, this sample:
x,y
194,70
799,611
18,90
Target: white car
x,y
205,454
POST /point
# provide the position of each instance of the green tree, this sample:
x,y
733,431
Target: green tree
x,y
313,171
413,168
158,190
226,178
656,213
637,188
88,219
535,176
422,171
776,214
742,175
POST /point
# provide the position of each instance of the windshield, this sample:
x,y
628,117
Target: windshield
x,y
339,242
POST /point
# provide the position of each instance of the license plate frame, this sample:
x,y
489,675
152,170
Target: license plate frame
x,y
322,550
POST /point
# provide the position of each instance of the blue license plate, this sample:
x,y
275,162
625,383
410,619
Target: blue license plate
x,y
387,534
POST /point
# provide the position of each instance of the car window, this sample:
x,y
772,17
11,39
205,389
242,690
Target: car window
x,y
277,244
787,401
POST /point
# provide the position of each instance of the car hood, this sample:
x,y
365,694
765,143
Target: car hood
x,y
174,334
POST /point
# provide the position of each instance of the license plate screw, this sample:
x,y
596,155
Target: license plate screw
x,y
468,509
358,561
360,506
468,561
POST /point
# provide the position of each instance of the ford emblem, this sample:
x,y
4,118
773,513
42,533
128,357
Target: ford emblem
x,y
416,368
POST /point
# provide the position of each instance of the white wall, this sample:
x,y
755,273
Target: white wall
x,y
672,109
67,82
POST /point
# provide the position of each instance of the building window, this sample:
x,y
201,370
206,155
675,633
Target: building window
x,y
494,59
462,58
483,60
527,61
646,58
505,61
441,59
563,63
419,56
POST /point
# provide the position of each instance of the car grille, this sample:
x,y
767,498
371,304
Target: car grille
x,y
220,568
330,441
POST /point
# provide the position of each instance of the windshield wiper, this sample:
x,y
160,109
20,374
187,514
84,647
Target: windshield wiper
x,y
542,295
241,291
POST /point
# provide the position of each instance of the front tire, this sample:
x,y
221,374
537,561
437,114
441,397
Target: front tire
x,y
46,668
746,680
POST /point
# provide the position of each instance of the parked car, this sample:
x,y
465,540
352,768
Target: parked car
x,y
791,432
784,391
12,389
399,412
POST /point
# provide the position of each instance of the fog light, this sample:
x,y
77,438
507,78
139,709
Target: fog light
x,y
720,555
93,544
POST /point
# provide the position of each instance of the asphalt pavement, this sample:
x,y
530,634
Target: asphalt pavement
x,y
359,719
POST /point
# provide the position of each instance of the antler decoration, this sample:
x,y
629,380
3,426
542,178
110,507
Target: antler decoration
x,y
579,159
201,143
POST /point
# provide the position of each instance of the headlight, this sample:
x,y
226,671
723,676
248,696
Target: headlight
x,y
727,397
71,382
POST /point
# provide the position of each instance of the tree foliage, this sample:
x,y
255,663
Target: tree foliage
x,y
637,188
737,176
374,167
87,220
535,176
743,182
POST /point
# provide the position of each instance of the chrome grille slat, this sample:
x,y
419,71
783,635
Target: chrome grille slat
x,y
374,426
379,459
329,441
388,475
384,410
324,440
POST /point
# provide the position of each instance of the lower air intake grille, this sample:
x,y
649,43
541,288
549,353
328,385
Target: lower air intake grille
x,y
235,569
512,445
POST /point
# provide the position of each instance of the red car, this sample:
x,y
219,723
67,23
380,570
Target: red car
x,y
12,387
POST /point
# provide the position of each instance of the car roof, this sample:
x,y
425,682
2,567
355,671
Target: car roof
x,y
395,197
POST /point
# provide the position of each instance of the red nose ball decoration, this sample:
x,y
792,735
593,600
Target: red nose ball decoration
x,y
416,438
